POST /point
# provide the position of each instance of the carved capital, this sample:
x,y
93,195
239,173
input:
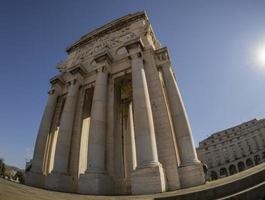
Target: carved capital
x,y
51,91
73,82
103,58
57,80
78,69
103,69
134,46
135,55
61,66
162,57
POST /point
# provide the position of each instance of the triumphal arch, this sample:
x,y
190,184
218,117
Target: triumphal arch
x,y
115,122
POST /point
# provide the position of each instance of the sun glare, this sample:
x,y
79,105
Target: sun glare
x,y
260,57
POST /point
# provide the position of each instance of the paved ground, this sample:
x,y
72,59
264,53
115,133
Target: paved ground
x,y
15,191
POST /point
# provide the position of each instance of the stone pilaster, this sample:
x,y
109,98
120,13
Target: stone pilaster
x,y
36,174
60,179
149,176
190,169
96,180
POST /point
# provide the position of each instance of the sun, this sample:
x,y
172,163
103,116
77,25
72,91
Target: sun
x,y
260,56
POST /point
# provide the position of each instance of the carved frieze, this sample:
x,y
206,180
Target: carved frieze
x,y
102,44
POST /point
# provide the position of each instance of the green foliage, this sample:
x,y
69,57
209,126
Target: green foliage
x,y
2,168
20,177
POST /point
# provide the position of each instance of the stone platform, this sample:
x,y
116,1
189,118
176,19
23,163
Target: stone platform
x,y
247,185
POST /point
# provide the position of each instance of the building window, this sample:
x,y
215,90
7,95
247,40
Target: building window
x,y
223,172
263,155
232,169
249,162
214,175
241,166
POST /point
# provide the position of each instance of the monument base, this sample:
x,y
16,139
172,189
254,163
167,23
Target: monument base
x,y
95,183
35,179
191,175
148,180
59,182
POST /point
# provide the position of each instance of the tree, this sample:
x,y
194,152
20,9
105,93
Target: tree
x,y
20,176
2,168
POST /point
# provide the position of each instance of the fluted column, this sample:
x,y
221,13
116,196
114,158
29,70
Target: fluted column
x,y
191,172
43,133
96,179
143,120
187,152
148,167
97,130
65,131
133,150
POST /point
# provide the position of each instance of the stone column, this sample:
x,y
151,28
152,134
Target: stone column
x,y
133,150
148,167
97,130
65,131
42,138
96,180
190,170
60,179
45,125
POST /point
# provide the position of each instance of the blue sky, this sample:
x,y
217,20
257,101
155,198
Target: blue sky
x,y
212,46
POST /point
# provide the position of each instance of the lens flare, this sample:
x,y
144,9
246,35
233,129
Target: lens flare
x,y
260,57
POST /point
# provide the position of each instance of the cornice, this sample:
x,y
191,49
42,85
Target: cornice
x,y
109,27
162,56
104,56
57,80
136,43
78,69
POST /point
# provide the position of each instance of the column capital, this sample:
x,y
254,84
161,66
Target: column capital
x,y
104,57
73,82
134,45
135,48
57,84
78,69
102,68
57,80
52,91
162,57
78,72
103,61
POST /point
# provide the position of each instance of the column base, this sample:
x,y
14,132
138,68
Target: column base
x,y
95,183
191,175
148,180
60,182
35,179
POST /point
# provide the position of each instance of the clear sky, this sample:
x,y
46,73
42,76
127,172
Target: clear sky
x,y
212,46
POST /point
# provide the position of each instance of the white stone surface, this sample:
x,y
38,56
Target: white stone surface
x,y
120,127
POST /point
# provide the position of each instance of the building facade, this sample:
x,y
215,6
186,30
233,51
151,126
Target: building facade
x,y
115,122
233,150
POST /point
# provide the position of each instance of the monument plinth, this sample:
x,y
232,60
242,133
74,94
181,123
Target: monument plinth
x,y
115,122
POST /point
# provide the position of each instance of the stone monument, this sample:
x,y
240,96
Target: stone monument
x,y
115,122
